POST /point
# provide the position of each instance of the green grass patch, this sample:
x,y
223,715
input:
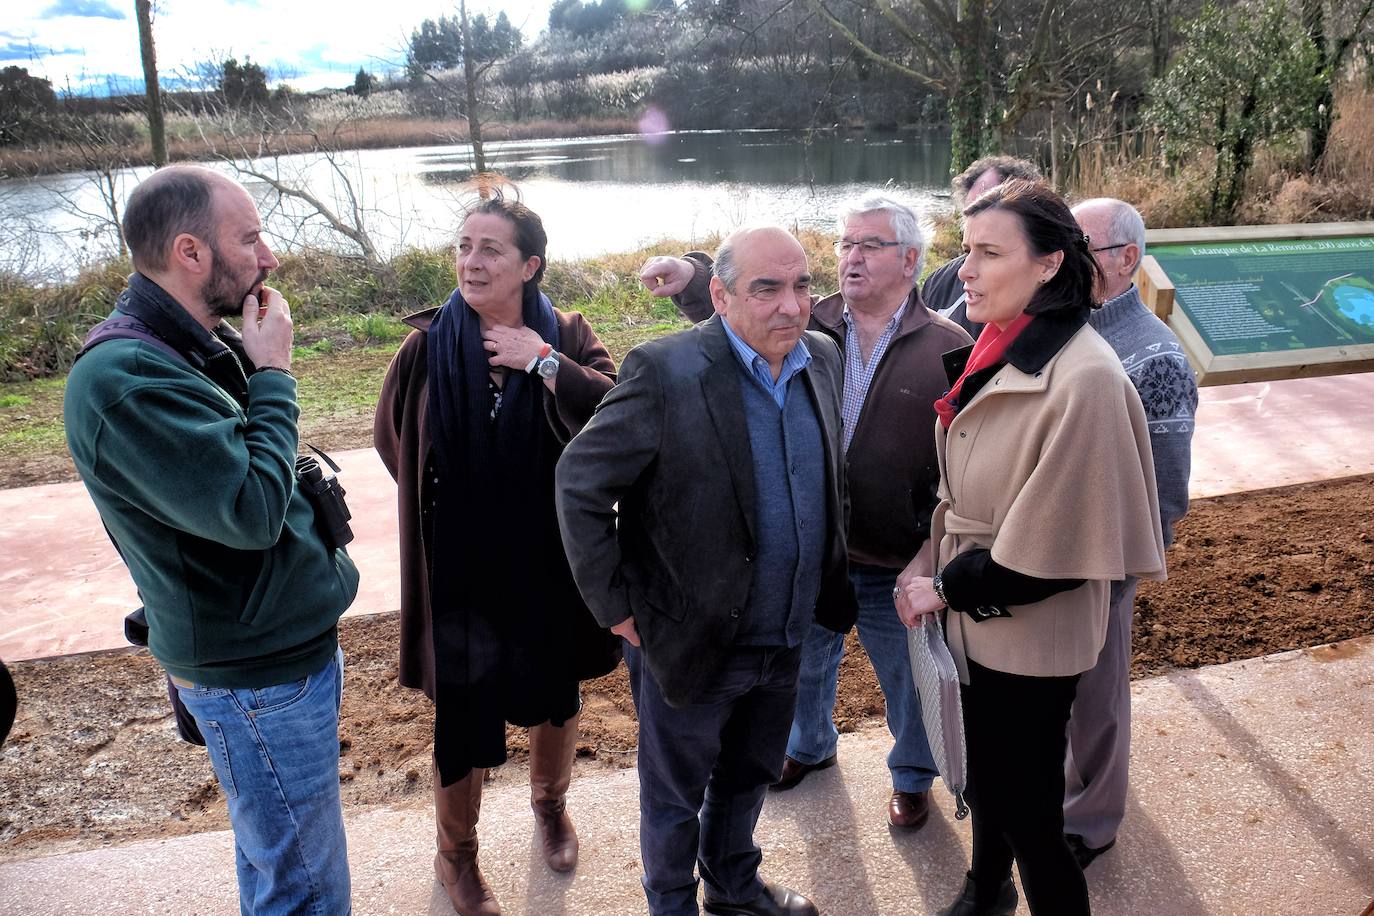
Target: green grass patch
x,y
31,418
374,328
342,384
347,327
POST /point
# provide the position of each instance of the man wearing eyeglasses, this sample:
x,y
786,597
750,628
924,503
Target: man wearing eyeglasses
x,y
893,373
1100,724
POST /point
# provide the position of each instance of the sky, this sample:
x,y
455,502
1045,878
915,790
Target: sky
x,y
85,46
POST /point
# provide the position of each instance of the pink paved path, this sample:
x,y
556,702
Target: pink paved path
x,y
63,589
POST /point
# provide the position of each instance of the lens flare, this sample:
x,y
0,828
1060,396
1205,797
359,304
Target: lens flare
x,y
654,126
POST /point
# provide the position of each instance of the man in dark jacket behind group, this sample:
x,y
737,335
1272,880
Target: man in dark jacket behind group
x,y
943,291
893,373
184,433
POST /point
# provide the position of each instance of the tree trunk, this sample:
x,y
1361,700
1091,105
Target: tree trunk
x,y
479,158
1159,37
968,101
1319,126
1219,173
1055,177
156,129
1242,154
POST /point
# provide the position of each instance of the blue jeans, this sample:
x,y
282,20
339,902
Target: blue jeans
x,y
883,635
703,772
275,751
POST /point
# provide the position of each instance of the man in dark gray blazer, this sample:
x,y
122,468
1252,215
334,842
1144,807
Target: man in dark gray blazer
x,y
703,514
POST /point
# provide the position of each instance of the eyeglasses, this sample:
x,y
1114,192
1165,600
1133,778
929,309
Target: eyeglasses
x,y
1109,247
866,246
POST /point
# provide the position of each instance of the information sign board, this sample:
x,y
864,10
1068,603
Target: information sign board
x,y
1250,309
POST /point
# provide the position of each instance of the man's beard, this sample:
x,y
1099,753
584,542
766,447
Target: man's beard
x,y
222,292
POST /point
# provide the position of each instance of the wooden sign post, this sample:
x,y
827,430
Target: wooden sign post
x,y
1258,303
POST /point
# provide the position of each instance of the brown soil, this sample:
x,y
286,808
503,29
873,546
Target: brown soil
x,y
94,758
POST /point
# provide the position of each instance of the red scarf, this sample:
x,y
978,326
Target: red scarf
x,y
988,351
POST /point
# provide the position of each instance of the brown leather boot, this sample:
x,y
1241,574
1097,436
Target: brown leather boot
x,y
455,814
552,749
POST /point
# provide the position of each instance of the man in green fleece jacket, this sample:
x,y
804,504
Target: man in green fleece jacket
x,y
185,436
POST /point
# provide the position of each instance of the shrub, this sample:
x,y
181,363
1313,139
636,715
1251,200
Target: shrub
x,y
43,327
373,328
424,277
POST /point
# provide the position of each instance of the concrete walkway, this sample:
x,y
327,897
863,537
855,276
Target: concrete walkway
x,y
64,590
1252,793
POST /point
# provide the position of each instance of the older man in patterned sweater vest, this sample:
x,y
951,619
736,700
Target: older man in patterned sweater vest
x,y
1100,726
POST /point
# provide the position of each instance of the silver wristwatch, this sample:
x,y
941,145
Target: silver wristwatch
x,y
547,366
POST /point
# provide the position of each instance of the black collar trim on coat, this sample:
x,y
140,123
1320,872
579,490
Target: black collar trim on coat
x,y
1037,345
1044,337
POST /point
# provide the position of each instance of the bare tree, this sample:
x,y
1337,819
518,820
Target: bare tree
x,y
156,128
106,160
996,62
470,76
253,144
349,221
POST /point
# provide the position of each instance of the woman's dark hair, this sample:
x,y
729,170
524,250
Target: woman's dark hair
x,y
530,237
1049,226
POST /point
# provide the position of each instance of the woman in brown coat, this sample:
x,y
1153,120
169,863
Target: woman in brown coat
x,y
1047,496
474,412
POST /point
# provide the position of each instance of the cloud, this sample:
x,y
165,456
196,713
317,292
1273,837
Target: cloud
x,y
20,48
84,9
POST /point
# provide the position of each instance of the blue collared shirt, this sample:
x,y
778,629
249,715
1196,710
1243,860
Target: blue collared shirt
x,y
858,376
795,361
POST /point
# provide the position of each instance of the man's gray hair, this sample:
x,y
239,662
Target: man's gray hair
x,y
1125,227
907,225
723,266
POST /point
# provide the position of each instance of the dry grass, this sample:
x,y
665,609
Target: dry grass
x,y
376,134
429,131
1131,167
1351,152
1342,187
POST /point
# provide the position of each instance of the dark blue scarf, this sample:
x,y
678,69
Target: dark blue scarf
x,y
458,373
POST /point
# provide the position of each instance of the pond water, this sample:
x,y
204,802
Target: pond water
x,y
1356,303
595,195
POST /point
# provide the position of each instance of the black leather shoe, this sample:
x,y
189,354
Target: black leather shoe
x,y
1084,853
773,900
793,771
908,810
968,902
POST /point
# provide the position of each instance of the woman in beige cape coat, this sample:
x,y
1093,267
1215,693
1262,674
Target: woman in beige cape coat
x,y
1047,496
